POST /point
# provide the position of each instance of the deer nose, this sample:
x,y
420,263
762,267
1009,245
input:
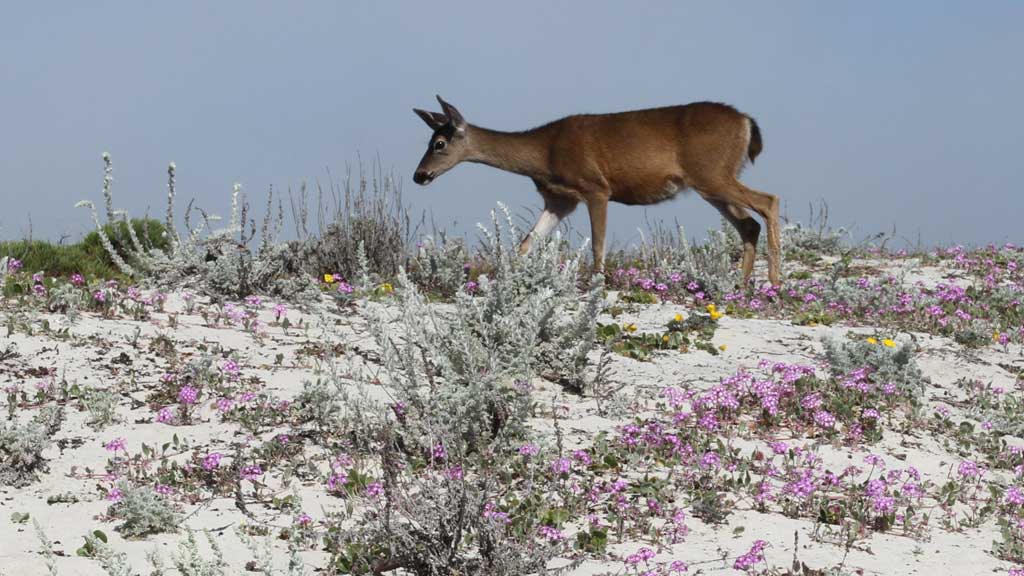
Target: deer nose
x,y
422,177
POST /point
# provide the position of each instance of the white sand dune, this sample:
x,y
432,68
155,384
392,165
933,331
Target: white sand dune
x,y
86,357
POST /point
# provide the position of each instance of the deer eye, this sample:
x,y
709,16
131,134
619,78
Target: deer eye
x,y
439,145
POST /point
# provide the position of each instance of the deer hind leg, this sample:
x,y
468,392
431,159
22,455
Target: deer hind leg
x,y
765,205
748,229
556,208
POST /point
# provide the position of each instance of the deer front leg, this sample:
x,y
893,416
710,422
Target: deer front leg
x,y
598,208
556,208
546,222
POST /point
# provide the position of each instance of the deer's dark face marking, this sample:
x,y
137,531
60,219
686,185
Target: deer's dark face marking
x,y
448,145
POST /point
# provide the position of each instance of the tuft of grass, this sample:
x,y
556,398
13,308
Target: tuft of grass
x,y
152,234
58,259
87,257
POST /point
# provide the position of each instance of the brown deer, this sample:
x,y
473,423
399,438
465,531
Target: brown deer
x,y
639,157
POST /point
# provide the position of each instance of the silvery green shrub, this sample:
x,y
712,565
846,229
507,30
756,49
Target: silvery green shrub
x,y
365,210
221,263
101,405
114,563
895,365
262,555
437,527
143,511
66,299
815,239
797,239
4,262
438,265
189,561
22,446
465,369
457,378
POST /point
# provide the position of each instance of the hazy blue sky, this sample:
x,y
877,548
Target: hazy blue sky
x,y
894,113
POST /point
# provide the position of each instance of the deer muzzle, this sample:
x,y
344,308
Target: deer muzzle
x,y
422,177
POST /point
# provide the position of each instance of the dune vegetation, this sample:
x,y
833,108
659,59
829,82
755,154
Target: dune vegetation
x,y
201,397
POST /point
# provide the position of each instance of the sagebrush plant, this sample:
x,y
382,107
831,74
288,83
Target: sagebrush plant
x,y
262,556
530,311
884,360
366,210
458,382
114,563
190,561
802,243
48,553
444,519
221,263
224,263
485,351
101,404
319,404
66,299
440,265
22,446
143,511
808,243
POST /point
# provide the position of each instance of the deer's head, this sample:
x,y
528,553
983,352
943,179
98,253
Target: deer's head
x,y
448,145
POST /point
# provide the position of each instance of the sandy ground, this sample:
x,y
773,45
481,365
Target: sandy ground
x,y
86,358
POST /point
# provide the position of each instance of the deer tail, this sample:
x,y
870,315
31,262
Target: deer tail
x,y
755,145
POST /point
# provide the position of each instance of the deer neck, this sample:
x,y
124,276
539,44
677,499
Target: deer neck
x,y
518,152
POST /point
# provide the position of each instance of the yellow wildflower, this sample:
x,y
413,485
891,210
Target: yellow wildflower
x,y
665,338
388,288
722,347
715,314
888,342
711,308
995,336
871,341
329,278
629,327
678,318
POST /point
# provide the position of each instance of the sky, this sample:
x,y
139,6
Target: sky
x,y
900,116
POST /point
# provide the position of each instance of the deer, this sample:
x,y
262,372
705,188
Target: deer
x,y
639,157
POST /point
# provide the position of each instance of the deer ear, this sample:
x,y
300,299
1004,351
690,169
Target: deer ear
x,y
433,119
458,122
